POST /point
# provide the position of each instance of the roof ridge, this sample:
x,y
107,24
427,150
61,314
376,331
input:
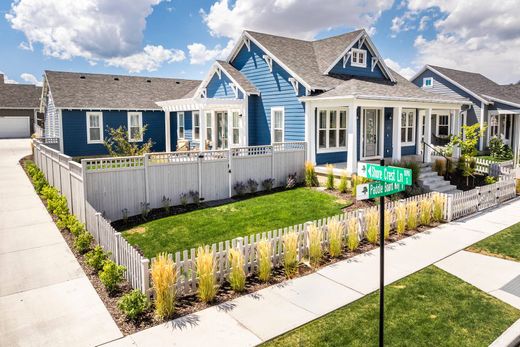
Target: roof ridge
x,y
302,40
117,75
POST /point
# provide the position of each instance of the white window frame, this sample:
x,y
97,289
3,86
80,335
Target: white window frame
x,y
327,129
381,114
408,127
354,58
128,116
273,110
101,135
237,127
209,126
183,126
427,79
438,115
195,114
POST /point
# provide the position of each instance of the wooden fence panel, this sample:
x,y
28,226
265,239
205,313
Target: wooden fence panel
x,y
171,180
257,167
214,178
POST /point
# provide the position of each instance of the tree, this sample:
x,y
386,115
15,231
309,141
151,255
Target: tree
x,y
468,144
118,144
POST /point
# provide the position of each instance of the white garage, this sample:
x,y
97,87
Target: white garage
x,y
14,127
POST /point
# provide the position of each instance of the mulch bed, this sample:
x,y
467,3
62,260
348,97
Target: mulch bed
x,y
190,304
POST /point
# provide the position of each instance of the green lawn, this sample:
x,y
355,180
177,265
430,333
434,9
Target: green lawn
x,y
428,308
211,225
505,244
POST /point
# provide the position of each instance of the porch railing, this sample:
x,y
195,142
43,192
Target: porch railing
x,y
436,152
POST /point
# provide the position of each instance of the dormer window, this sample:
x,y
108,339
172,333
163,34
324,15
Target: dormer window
x,y
359,57
427,82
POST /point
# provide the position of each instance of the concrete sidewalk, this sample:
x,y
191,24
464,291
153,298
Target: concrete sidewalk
x,y
254,318
45,297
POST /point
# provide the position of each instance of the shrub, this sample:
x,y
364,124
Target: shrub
x,y
237,275
166,204
330,177
357,180
96,258
292,181
66,221
315,248
343,183
518,186
239,188
118,143
194,196
400,218
438,207
425,208
58,206
49,193
39,182
145,210
499,150
372,223
335,229
268,184
311,180
133,304
206,274
490,180
290,247
77,228
83,242
388,223
263,251
352,234
252,185
439,166
411,215
164,277
183,199
111,275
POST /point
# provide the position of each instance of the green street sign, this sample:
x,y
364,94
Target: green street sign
x,y
376,189
390,174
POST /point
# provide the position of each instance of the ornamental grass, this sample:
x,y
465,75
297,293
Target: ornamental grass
x,y
330,177
315,247
265,265
438,207
237,275
311,180
411,215
425,208
206,274
352,234
400,218
335,229
164,277
290,259
372,223
388,223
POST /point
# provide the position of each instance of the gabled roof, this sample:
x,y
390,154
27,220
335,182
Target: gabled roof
x,y
100,91
19,96
329,49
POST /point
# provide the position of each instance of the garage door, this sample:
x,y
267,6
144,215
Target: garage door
x,y
14,127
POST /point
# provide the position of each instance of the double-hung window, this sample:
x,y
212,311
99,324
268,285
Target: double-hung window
x,y
94,127
332,129
135,126
209,128
196,125
443,125
493,125
235,124
359,57
180,125
277,124
408,127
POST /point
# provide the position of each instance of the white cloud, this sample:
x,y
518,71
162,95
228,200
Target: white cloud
x,y
7,79
477,35
30,78
403,23
423,23
150,59
96,30
200,54
406,72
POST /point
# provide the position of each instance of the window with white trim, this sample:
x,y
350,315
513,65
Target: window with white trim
x,y
427,82
358,58
135,126
209,127
196,125
332,129
443,125
235,125
277,124
493,125
94,127
408,127
180,125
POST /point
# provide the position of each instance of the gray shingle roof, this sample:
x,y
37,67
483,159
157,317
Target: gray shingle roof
x,y
238,77
83,90
513,90
23,96
329,49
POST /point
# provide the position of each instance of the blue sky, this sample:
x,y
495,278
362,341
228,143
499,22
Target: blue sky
x,y
181,38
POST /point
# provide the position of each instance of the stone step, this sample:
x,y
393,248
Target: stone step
x,y
449,189
426,174
438,184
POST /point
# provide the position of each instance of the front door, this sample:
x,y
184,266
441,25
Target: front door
x,y
371,124
222,129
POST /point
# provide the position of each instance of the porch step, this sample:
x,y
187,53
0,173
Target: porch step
x,y
432,182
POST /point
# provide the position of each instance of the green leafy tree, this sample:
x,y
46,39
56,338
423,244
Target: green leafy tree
x,y
468,143
119,145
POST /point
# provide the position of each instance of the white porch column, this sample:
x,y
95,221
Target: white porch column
x,y
428,135
168,141
202,130
516,137
310,132
352,140
396,138
457,121
419,134
482,113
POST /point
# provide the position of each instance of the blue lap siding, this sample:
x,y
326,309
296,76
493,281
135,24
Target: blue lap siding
x,y
220,87
74,125
188,127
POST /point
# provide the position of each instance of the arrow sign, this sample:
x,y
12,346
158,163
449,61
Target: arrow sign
x,y
376,189
389,174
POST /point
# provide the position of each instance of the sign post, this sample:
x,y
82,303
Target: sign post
x,y
388,180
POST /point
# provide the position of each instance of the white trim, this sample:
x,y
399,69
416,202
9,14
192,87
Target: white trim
x,y
218,70
60,122
413,127
437,116
183,126
101,134
352,157
424,82
272,123
200,103
167,129
239,127
346,58
269,62
128,115
389,99
357,53
374,63
234,88
482,114
502,101
294,84
381,114
247,42
193,113
327,129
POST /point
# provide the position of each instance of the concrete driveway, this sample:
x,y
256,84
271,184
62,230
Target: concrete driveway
x,y
45,297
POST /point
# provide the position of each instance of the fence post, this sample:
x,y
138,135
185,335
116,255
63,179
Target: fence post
x,y
240,249
272,161
306,241
98,216
200,156
230,173
117,238
146,180
85,195
449,207
478,198
145,279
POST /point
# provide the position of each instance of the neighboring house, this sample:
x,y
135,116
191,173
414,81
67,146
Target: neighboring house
x,y
80,108
492,104
336,94
19,104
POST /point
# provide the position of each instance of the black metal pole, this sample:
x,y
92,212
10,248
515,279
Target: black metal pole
x,y
381,267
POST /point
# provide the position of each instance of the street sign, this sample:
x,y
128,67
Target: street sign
x,y
390,174
376,189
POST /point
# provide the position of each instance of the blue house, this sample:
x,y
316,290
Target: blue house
x,y
492,104
80,109
336,94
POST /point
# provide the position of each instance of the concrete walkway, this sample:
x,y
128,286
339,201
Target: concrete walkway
x,y
254,318
45,297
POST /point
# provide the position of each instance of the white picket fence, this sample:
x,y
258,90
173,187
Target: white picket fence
x,y
493,168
